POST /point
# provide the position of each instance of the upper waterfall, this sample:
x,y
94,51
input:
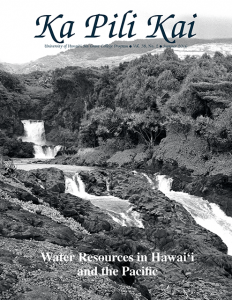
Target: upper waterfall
x,y
34,132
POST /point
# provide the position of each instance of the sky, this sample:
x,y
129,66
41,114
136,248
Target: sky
x,y
18,22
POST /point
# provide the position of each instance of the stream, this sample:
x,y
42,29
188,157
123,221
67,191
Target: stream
x,y
208,215
121,211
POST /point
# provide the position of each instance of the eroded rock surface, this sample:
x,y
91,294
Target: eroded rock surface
x,y
168,230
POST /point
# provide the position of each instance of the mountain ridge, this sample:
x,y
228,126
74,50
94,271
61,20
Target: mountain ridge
x,y
117,52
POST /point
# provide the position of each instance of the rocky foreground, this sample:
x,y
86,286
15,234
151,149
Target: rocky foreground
x,y
37,216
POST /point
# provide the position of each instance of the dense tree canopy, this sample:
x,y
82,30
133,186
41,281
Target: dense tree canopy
x,y
140,101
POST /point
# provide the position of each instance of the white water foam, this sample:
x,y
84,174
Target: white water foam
x,y
46,151
120,210
34,132
208,215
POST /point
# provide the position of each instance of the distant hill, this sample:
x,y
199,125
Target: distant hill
x,y
117,52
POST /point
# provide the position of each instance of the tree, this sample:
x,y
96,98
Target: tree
x,y
147,125
102,123
166,82
217,132
169,54
179,124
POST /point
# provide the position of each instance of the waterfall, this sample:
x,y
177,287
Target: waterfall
x,y
34,132
119,210
208,215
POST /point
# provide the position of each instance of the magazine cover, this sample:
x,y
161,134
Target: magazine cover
x,y
115,150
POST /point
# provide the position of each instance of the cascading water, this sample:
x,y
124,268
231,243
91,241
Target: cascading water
x,y
120,210
34,132
208,215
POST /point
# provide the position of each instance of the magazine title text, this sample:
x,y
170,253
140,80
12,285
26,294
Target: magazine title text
x,y
95,23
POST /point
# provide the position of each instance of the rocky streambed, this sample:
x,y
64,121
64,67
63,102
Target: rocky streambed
x,y
38,216
194,174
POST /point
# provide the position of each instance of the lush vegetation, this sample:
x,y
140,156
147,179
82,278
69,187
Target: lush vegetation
x,y
144,100
138,102
21,97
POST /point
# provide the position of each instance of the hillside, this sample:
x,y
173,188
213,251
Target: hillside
x,y
118,52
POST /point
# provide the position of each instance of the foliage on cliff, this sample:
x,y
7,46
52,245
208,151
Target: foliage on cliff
x,y
141,101
153,96
21,97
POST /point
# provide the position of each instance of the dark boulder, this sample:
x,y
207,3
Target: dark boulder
x,y
51,179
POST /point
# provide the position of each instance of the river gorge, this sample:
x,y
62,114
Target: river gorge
x,y
117,166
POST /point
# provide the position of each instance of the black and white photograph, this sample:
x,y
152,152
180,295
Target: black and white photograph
x,y
115,150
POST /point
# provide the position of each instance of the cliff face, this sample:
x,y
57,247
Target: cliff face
x,y
66,105
58,98
11,101
21,97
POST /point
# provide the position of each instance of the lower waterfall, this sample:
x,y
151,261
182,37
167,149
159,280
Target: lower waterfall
x,y
208,215
46,151
34,132
120,210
